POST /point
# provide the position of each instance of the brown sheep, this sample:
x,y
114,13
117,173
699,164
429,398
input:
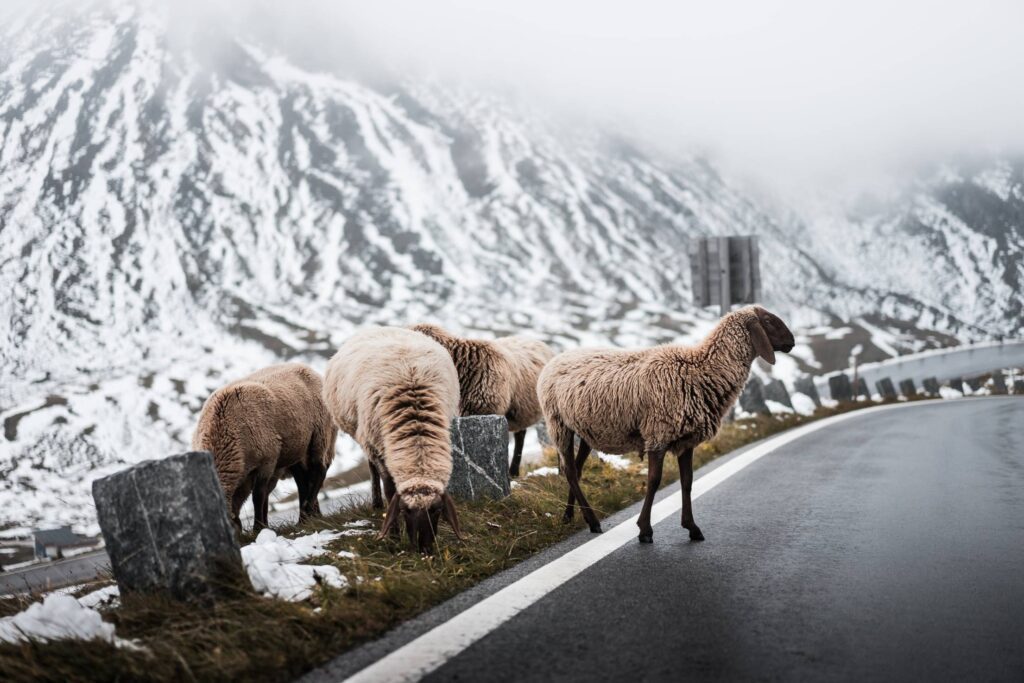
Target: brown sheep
x,y
395,392
528,357
269,424
666,398
497,377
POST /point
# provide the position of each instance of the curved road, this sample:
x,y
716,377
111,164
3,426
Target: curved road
x,y
889,546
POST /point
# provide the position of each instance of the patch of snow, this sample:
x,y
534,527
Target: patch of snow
x,y
776,408
543,472
108,596
616,461
949,392
272,563
58,617
802,403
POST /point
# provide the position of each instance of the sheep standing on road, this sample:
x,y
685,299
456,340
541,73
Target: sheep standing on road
x,y
667,398
395,392
497,377
259,428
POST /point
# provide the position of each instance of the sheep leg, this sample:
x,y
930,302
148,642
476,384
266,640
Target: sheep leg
x,y
301,477
686,475
655,460
581,458
376,500
390,491
572,476
517,453
261,502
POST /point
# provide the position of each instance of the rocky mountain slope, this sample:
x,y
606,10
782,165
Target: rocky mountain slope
x,y
171,219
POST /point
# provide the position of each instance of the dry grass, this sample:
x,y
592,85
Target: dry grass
x,y
248,637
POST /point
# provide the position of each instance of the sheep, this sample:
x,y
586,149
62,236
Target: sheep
x,y
666,398
265,426
497,377
395,392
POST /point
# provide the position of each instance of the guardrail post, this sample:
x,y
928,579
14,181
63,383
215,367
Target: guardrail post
x,y
907,388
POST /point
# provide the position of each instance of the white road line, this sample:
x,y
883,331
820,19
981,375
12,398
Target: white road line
x,y
426,653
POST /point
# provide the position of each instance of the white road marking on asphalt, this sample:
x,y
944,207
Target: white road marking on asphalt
x,y
419,657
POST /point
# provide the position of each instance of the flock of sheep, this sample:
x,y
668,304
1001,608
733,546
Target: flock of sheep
x,y
395,391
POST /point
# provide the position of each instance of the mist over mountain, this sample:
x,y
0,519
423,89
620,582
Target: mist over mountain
x,y
174,215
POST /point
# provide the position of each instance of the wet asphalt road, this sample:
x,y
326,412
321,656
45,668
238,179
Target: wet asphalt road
x,y
888,547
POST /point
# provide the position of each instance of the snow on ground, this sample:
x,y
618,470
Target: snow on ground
x,y
108,596
802,403
543,472
58,617
272,563
616,461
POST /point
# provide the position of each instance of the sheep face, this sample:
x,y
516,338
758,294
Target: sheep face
x,y
421,521
769,334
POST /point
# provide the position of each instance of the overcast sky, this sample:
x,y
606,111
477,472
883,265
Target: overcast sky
x,y
800,87
794,89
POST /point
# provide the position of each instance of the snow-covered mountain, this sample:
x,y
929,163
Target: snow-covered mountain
x,y
171,220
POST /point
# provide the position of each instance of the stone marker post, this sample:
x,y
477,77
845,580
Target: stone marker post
x,y
957,383
885,388
479,457
752,398
840,387
1018,386
998,382
775,390
805,385
907,388
931,386
860,388
975,383
166,527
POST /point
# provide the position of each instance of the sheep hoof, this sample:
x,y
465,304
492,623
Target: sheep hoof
x,y
596,529
647,538
696,535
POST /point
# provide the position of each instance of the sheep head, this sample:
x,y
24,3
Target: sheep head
x,y
421,510
768,334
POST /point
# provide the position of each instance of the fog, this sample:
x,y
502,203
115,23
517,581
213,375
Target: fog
x,y
792,92
789,90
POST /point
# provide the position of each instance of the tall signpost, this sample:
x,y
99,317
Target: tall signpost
x,y
725,271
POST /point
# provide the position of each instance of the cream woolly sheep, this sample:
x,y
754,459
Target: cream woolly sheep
x,y
395,392
259,428
497,377
667,398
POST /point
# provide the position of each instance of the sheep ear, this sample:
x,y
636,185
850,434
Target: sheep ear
x,y
390,518
759,338
449,514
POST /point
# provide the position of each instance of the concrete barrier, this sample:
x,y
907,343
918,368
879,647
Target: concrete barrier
x,y
752,398
840,388
775,390
479,457
907,388
805,385
885,388
165,524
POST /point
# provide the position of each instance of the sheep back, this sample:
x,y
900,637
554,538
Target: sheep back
x,y
670,396
528,357
269,420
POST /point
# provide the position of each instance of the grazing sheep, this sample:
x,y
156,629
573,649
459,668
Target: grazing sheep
x,y
497,377
395,392
667,398
528,358
269,424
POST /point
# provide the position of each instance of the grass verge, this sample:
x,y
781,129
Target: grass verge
x,y
249,637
